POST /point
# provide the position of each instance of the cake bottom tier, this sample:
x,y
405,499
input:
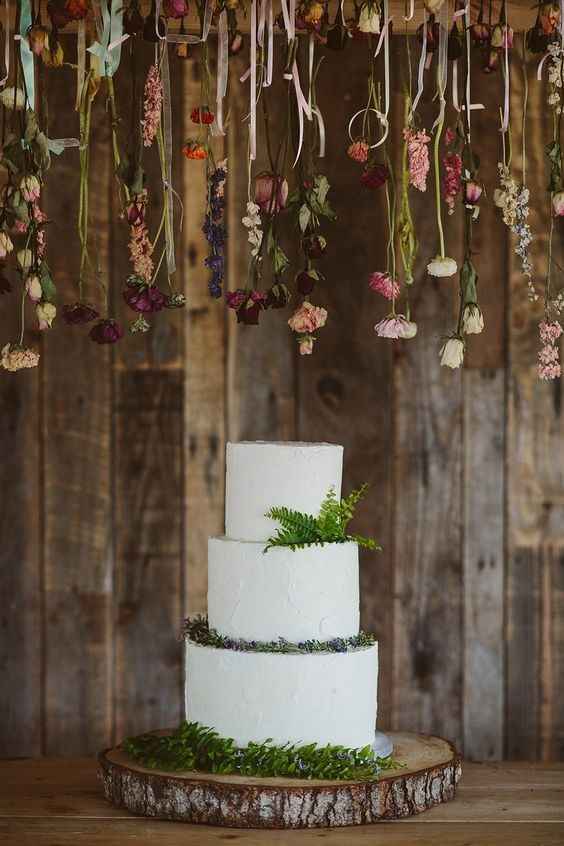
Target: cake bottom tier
x,y
323,698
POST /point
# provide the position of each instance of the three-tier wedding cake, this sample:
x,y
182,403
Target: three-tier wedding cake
x,y
284,595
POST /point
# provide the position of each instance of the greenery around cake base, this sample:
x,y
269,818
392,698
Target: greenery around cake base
x,y
195,747
197,630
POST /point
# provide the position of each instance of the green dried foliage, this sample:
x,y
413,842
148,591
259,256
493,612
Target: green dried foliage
x,y
196,747
298,530
197,630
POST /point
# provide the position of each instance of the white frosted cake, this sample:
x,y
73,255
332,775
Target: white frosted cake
x,y
311,594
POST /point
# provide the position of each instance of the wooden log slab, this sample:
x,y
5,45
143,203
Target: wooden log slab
x,y
430,771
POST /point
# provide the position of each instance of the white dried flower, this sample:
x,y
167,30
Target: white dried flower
x,y
472,319
441,266
452,352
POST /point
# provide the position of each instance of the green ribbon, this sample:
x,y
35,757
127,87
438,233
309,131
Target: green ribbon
x,y
110,34
26,53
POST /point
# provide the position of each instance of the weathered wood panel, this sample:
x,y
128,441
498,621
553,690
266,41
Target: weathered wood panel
x,y
77,503
535,484
148,476
204,379
260,360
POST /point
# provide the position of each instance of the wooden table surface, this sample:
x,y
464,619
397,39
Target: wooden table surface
x,y
57,802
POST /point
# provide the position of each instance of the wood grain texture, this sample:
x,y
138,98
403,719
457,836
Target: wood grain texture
x,y
535,488
21,623
430,773
427,530
260,359
205,379
77,462
148,409
483,561
350,368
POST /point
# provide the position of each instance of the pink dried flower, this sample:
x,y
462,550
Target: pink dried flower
x,y
271,192
396,326
383,284
452,179
140,252
358,151
418,157
549,371
450,136
558,204
306,345
307,318
472,192
153,104
30,187
550,332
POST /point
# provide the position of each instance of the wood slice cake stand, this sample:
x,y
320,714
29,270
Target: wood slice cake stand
x,y
429,775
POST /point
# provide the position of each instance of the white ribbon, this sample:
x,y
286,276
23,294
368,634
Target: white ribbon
x,y
505,120
167,176
385,39
222,71
185,37
57,145
4,79
409,17
270,54
303,107
315,109
455,85
422,62
109,28
442,72
253,87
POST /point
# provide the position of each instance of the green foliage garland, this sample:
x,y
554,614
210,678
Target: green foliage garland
x,y
197,630
196,747
298,530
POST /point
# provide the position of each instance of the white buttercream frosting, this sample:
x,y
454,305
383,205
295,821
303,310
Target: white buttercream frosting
x,y
252,696
309,593
261,475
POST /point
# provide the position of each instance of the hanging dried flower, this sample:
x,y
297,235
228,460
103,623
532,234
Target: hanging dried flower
x,y
472,319
76,10
442,267
38,37
30,187
418,157
53,56
46,313
549,357
202,115
369,18
248,305
78,314
358,151
383,284
15,357
194,150
33,288
175,9
375,176
307,318
271,193
452,179
452,352
6,245
106,332
396,327
146,299
153,104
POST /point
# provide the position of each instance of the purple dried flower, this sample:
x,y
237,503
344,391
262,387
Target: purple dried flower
x,y
106,331
78,314
144,299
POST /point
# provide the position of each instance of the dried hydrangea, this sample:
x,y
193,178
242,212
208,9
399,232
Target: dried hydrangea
x,y
252,222
555,53
513,200
15,358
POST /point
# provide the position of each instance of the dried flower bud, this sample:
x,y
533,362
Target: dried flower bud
x,y
472,192
442,267
38,37
25,259
358,151
271,192
79,313
6,245
452,353
369,19
305,345
472,319
314,246
305,282
558,204
106,332
46,313
30,188
33,288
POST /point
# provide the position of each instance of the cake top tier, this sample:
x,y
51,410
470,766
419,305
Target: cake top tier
x,y
262,474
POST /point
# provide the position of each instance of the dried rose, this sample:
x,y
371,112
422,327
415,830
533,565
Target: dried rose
x,y
472,319
38,37
146,299
314,246
79,313
30,187
375,176
33,288
558,204
305,282
106,332
175,8
452,352
271,192
307,318
76,10
46,313
6,245
472,192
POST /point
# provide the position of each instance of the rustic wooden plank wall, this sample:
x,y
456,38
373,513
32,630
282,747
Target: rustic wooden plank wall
x,y
112,463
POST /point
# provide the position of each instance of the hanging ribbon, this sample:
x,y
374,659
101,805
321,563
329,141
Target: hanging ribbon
x,y
167,155
109,26
314,109
505,119
270,57
292,74
4,79
222,71
26,53
253,86
185,37
57,145
422,62
442,72
385,39
409,17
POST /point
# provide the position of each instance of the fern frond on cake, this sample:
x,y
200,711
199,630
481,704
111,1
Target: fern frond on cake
x,y
298,530
196,747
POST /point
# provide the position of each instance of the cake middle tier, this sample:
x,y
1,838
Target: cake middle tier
x,y
322,697
306,594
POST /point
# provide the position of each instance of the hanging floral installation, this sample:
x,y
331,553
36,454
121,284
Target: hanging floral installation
x,y
290,205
